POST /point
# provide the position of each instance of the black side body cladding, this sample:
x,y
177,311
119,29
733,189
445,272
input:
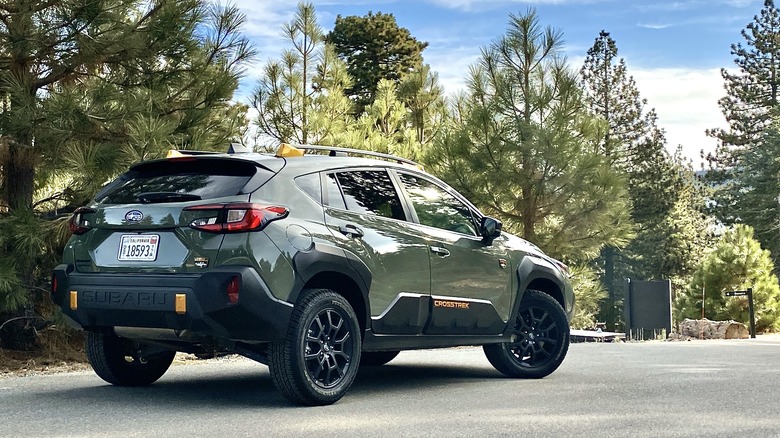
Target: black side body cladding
x,y
327,259
537,272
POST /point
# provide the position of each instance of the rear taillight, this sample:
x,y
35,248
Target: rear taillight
x,y
238,217
78,223
53,285
232,289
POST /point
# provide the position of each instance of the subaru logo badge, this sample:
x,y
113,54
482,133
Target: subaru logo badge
x,y
134,216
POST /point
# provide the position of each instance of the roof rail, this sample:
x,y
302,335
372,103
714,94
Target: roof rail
x,y
335,150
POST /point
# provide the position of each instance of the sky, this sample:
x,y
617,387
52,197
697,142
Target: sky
x,y
673,49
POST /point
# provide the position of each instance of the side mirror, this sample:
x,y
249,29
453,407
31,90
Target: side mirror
x,y
489,229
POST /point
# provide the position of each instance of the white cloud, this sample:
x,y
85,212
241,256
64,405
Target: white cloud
x,y
654,26
452,65
686,101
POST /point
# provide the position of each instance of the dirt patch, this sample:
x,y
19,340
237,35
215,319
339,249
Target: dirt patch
x,y
57,352
25,363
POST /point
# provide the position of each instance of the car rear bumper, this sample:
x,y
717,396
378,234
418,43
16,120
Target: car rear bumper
x,y
195,302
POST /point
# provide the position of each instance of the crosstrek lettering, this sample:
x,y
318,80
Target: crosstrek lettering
x,y
451,304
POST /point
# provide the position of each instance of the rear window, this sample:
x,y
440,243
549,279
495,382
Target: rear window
x,y
180,180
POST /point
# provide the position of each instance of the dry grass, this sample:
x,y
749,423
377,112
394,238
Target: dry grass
x,y
59,351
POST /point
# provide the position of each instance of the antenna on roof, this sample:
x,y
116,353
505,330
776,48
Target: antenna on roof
x,y
238,148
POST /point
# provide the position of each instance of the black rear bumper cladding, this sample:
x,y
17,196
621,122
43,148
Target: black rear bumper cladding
x,y
149,301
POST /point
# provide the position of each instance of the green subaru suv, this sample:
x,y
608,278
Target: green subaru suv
x,y
312,264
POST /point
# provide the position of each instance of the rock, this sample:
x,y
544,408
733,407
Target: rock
x,y
706,329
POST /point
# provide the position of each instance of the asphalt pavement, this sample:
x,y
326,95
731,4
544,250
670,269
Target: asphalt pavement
x,y
635,389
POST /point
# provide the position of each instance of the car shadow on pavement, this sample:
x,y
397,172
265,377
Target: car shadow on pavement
x,y
252,386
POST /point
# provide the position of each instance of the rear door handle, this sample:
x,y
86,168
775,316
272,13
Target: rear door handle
x,y
438,250
351,230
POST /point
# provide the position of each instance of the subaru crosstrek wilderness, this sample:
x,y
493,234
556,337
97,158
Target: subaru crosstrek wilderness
x,y
310,264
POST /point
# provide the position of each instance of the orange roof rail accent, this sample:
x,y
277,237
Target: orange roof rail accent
x,y
286,150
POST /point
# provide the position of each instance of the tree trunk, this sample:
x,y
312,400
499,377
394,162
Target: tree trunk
x,y
20,176
609,283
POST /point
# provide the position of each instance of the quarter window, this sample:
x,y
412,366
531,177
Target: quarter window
x,y
437,208
310,184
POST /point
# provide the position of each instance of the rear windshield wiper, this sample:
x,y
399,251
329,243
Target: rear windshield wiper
x,y
159,197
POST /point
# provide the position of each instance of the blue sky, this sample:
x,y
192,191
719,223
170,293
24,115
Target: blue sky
x,y
674,49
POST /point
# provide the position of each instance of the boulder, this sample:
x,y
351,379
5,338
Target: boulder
x,y
706,329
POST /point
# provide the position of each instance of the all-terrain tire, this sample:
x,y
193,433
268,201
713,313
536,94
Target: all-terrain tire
x,y
540,339
318,360
113,361
377,358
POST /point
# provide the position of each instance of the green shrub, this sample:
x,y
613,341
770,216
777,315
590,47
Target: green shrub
x,y
736,263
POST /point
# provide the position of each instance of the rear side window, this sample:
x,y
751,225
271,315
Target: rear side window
x,y
179,181
370,192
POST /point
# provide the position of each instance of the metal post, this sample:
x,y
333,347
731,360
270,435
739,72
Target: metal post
x,y
627,309
752,313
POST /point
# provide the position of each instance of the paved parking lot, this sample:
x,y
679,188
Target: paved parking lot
x,y
645,389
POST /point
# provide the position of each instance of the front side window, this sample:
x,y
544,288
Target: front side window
x,y
437,208
370,192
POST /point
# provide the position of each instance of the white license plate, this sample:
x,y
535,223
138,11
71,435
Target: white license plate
x,y
134,247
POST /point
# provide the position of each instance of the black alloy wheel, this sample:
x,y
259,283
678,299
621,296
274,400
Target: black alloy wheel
x,y
329,349
318,360
539,339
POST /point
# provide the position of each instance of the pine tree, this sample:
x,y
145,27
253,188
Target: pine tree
x,y
87,88
374,48
524,147
744,169
300,98
673,247
424,98
751,94
736,263
755,188
635,147
62,61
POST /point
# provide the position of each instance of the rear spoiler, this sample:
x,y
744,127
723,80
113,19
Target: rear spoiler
x,y
235,148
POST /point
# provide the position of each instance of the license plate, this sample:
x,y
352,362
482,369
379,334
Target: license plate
x,y
133,247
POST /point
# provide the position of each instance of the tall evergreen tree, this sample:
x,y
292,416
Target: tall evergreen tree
x,y
87,87
635,147
283,96
523,145
752,92
755,188
374,48
57,58
744,170
300,98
